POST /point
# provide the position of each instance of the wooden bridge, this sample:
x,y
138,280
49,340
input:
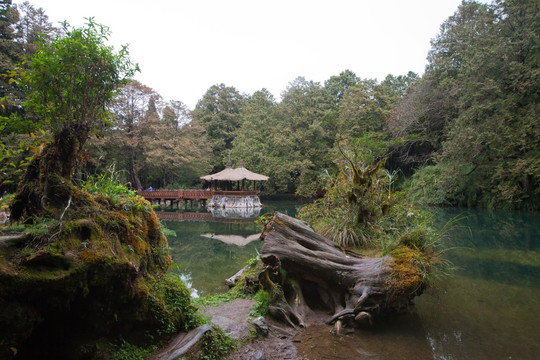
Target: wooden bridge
x,y
183,197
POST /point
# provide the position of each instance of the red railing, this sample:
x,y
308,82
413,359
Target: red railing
x,y
161,194
198,194
190,194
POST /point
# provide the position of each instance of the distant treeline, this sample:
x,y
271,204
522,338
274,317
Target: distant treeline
x,y
464,133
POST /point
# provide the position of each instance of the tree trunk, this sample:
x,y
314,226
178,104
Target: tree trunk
x,y
46,185
133,176
307,273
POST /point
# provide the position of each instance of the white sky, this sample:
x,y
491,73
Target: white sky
x,y
184,47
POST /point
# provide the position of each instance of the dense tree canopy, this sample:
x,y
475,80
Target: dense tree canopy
x,y
20,28
466,130
477,107
219,113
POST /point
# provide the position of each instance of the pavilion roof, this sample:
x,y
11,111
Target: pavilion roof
x,y
236,174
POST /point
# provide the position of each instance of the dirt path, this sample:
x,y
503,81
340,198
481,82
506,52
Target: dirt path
x,y
233,317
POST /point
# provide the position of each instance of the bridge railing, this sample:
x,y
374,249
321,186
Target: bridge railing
x,y
190,194
198,194
161,194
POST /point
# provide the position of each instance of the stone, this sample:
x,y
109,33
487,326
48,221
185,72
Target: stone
x,y
261,326
259,355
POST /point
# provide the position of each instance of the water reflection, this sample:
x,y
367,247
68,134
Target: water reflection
x,y
236,213
488,309
211,248
234,239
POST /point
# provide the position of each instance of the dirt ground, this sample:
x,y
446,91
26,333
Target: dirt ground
x,y
233,317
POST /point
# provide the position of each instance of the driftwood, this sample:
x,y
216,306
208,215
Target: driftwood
x,y
315,274
230,282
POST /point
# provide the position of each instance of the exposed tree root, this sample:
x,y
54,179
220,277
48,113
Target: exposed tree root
x,y
306,272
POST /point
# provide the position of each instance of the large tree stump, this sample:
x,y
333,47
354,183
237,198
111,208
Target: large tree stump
x,y
306,273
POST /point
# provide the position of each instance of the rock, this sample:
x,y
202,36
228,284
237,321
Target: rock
x,y
259,355
4,217
261,326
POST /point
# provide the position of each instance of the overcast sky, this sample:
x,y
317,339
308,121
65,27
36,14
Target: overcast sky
x,y
184,47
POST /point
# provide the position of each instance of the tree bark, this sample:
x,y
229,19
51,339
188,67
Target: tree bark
x,y
306,273
132,169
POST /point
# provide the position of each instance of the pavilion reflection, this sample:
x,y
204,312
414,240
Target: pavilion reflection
x,y
233,239
214,215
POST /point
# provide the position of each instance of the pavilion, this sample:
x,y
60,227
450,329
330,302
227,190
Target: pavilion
x,y
235,191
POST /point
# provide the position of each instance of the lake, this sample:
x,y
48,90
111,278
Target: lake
x,y
489,308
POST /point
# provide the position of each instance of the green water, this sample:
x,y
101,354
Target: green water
x,y
206,262
488,309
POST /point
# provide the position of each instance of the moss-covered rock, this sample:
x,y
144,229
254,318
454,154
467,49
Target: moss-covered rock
x,y
95,274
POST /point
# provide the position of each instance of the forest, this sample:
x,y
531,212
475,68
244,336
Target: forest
x,y
464,133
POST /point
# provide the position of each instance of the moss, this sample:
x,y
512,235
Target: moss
x,y
406,275
216,344
248,283
167,300
99,272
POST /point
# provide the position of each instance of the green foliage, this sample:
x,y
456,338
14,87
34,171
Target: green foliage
x,y
477,109
361,209
262,301
216,344
219,113
175,309
108,184
20,26
71,82
424,188
127,351
355,201
74,76
218,299
338,85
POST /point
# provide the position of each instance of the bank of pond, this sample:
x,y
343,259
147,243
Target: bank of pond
x,y
489,307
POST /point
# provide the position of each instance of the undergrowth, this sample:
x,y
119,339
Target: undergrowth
x,y
362,210
262,301
216,344
126,351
